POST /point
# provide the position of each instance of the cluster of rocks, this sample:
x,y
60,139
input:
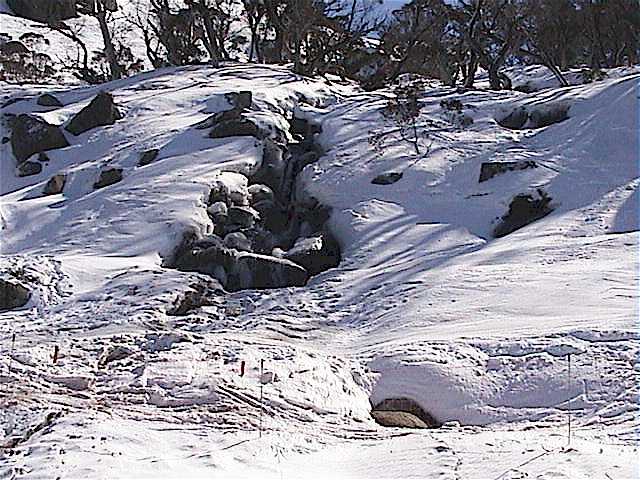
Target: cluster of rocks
x,y
525,117
524,209
31,135
262,236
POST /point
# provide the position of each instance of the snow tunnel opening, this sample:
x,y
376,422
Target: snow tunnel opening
x,y
267,233
403,412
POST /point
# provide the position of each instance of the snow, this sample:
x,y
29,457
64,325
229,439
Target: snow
x,y
425,303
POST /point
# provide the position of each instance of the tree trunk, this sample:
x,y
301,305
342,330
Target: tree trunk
x,y
110,53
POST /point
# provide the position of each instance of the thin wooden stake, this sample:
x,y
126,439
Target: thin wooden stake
x,y
261,404
56,350
13,342
569,406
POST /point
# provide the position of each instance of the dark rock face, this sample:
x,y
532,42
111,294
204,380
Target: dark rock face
x,y
387,178
100,112
14,47
30,134
515,120
148,157
262,271
12,295
246,217
537,116
316,254
48,100
45,11
491,169
55,184
240,100
26,169
402,412
523,210
108,177
546,115
236,128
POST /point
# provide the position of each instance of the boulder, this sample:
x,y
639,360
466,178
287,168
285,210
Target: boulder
x,y
515,120
28,168
55,184
273,165
387,178
13,294
316,254
148,156
255,271
239,100
274,218
13,47
260,193
218,212
219,117
30,134
301,126
402,412
44,11
548,114
491,169
523,210
246,217
108,177
209,256
48,100
100,112
236,128
238,241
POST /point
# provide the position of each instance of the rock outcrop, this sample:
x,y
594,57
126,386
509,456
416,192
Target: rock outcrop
x,y
44,11
49,100
108,177
523,210
31,134
402,412
101,111
387,178
13,294
491,169
55,184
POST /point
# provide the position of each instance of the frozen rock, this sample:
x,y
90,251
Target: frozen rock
x,y
30,134
100,112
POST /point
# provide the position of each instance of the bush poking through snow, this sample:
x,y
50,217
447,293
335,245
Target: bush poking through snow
x,y
523,210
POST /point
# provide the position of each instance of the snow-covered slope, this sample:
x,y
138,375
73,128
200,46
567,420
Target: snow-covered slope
x,y
425,303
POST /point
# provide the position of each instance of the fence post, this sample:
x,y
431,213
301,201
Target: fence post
x,y
261,387
568,406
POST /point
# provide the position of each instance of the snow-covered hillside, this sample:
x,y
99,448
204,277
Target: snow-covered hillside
x,y
425,303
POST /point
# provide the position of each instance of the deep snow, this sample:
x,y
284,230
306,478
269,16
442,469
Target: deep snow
x,y
425,304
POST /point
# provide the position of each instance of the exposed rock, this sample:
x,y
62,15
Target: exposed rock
x,y
260,193
548,114
43,157
316,254
515,120
113,354
5,140
55,184
398,419
219,117
255,271
13,47
45,11
387,178
100,112
273,216
301,126
243,216
272,168
238,241
49,100
200,294
402,412
30,134
491,169
236,128
13,294
148,156
240,100
26,169
108,177
523,210
218,212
